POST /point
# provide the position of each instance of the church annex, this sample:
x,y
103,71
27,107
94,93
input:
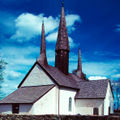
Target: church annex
x,y
53,90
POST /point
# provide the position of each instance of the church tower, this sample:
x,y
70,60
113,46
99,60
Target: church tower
x,y
43,59
62,46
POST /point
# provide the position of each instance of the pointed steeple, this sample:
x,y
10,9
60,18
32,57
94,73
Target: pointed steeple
x,y
79,67
43,58
62,39
62,46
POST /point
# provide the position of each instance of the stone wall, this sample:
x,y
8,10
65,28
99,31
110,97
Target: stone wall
x,y
53,117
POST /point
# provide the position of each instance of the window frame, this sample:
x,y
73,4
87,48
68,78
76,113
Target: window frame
x,y
70,104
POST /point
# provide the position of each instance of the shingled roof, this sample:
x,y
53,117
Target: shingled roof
x,y
92,89
59,78
87,89
26,94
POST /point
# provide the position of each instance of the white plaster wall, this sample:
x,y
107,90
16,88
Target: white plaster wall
x,y
25,109
85,106
65,94
6,109
108,101
37,77
48,104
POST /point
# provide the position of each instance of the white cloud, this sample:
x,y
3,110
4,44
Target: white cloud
x,y
52,37
116,76
14,73
71,43
29,26
96,78
71,19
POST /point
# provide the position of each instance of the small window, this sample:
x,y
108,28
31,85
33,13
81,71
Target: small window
x,y
70,104
95,111
15,108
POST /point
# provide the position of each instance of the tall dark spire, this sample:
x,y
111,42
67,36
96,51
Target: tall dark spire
x,y
43,58
62,46
62,40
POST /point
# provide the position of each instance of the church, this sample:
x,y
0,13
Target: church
x,y
53,90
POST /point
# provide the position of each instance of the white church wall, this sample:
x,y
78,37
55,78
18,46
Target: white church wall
x,y
48,104
65,94
86,106
108,102
6,109
25,109
37,77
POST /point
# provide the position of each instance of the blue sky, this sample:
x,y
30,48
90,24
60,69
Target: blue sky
x,y
93,26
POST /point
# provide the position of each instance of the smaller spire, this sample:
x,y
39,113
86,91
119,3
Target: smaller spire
x,y
79,67
43,58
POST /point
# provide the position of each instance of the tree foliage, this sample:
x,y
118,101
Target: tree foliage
x,y
2,67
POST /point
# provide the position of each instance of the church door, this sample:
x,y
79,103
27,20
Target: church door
x,y
95,111
15,108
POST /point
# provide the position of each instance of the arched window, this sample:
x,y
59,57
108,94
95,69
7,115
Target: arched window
x,y
70,104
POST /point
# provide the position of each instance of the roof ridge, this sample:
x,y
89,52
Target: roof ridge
x,y
37,86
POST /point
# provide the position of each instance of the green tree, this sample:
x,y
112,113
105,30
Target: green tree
x,y
2,68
